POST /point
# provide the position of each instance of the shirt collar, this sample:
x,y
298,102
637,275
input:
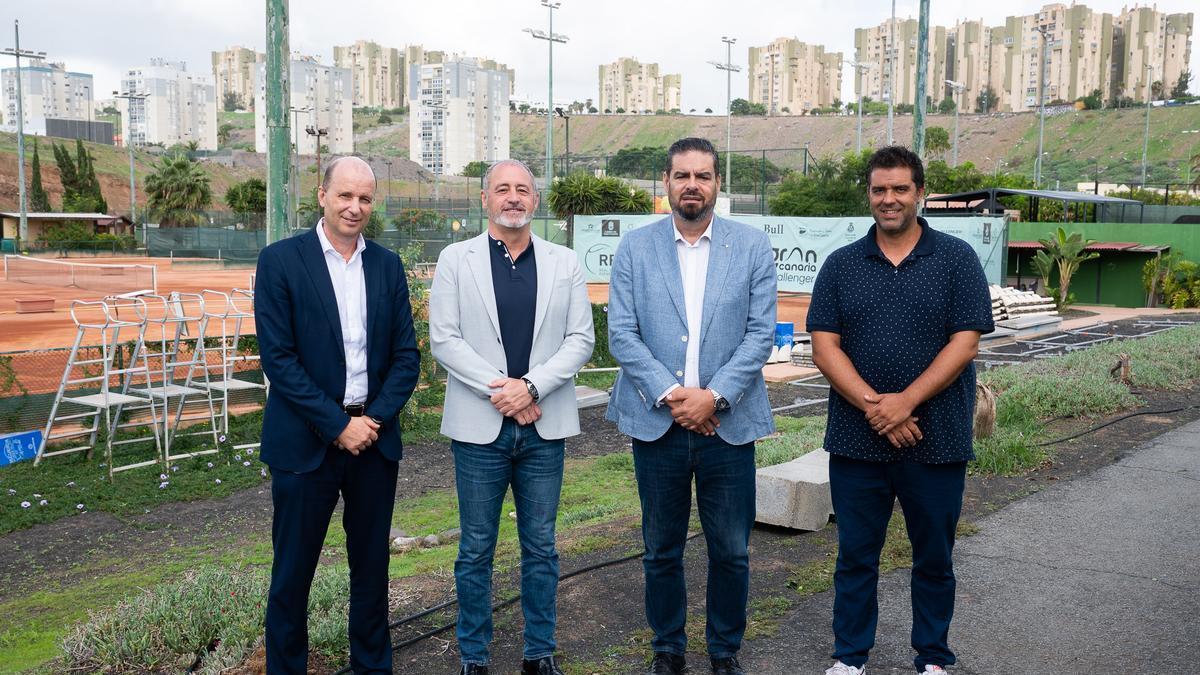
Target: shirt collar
x,y
924,244
327,246
707,234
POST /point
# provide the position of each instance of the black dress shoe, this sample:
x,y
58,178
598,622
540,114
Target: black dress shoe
x,y
727,666
542,666
665,663
473,669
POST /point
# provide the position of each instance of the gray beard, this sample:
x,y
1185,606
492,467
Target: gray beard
x,y
507,222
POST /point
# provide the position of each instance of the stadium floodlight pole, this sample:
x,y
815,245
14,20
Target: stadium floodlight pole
x,y
296,162
127,133
550,37
1146,136
317,133
729,69
16,51
891,57
858,69
958,89
1037,161
922,81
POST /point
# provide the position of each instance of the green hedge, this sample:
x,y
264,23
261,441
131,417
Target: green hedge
x,y
601,358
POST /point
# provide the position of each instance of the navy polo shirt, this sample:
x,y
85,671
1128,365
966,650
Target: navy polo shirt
x,y
893,321
515,285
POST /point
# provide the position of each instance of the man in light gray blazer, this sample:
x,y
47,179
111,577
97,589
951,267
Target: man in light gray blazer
x,y
691,321
509,319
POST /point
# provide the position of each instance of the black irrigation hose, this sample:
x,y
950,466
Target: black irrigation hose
x,y
498,606
1098,427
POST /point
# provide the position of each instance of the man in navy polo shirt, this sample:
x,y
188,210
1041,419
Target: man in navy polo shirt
x,y
895,321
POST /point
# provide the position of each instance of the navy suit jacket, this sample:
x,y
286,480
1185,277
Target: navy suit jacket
x,y
300,343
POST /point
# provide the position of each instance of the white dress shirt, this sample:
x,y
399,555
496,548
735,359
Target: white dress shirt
x,y
350,289
693,270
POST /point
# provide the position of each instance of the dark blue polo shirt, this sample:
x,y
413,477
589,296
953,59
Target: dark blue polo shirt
x,y
515,285
893,321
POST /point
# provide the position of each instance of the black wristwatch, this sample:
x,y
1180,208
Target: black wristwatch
x,y
532,389
720,404
376,420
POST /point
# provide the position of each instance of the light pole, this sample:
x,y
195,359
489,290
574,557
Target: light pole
x,y
16,51
891,57
958,89
858,69
567,155
387,205
1146,136
127,134
317,133
550,37
296,162
729,69
1037,162
440,156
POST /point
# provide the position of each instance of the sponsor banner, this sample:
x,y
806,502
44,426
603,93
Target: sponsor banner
x,y
19,447
801,245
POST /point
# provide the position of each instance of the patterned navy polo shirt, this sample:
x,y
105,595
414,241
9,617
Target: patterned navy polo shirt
x,y
893,321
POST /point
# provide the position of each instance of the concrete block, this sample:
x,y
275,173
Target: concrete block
x,y
587,397
795,494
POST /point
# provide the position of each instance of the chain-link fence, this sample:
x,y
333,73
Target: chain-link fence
x,y
29,381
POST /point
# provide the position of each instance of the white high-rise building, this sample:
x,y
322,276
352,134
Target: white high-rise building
x,y
49,91
326,92
234,72
459,113
179,107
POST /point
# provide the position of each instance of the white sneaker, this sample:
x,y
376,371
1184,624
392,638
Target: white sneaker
x,y
930,668
840,668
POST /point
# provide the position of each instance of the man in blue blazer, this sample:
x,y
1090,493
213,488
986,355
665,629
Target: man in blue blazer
x,y
335,334
691,321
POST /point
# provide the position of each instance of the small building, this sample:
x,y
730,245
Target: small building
x,y
102,223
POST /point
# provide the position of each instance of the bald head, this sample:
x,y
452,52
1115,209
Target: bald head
x,y
487,177
347,163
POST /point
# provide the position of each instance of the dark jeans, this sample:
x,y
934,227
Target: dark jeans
x,y
304,503
483,473
724,476
863,496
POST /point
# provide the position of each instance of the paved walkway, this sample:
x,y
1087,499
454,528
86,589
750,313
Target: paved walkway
x,y
1098,575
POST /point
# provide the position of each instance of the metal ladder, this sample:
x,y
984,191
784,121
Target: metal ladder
x,y
107,394
221,332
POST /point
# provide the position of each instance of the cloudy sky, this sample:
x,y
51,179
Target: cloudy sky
x,y
103,38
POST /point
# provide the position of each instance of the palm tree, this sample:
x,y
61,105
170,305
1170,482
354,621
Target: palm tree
x,y
178,191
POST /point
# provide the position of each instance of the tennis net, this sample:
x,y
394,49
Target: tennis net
x,y
91,276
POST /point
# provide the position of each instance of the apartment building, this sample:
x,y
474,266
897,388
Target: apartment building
x,y
376,73
324,94
792,77
234,72
179,106
626,84
1152,46
891,49
48,91
459,113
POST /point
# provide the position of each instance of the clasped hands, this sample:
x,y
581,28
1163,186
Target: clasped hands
x,y
693,409
891,415
361,432
512,399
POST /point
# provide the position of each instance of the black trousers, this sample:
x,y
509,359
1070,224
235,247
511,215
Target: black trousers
x,y
304,503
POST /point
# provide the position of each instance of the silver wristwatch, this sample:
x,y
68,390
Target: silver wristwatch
x,y
719,402
532,389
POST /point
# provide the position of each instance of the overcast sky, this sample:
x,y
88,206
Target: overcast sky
x,y
104,38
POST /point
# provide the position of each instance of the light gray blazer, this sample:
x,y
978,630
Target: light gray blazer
x,y
464,336
647,328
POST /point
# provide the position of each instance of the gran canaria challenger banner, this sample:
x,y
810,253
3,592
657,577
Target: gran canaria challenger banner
x,y
801,244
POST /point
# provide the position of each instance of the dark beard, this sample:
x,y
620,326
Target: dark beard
x,y
692,213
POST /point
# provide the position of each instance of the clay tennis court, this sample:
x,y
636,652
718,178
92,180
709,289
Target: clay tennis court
x,y
48,330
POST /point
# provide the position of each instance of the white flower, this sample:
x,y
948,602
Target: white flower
x,y
43,503
25,505
262,472
162,476
221,438
246,463
217,481
11,491
210,465
249,451
174,468
79,506
164,484
237,458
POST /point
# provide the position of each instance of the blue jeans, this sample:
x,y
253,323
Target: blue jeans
x,y
863,496
483,473
724,476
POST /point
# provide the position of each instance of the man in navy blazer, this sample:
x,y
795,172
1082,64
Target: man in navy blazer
x,y
335,334
691,321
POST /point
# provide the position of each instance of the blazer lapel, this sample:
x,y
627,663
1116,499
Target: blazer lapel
x,y
719,254
547,267
480,269
664,242
318,272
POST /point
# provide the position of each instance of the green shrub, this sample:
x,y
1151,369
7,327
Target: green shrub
x,y
601,357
